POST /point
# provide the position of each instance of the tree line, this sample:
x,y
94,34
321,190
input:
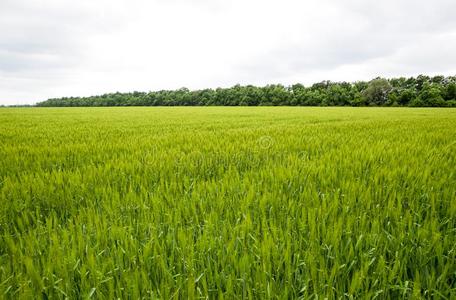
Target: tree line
x,y
420,91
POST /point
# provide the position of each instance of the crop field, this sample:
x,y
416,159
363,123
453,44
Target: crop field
x,y
227,202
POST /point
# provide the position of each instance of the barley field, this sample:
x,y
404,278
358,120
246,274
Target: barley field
x,y
227,203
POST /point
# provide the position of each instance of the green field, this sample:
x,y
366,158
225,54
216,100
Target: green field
x,y
234,203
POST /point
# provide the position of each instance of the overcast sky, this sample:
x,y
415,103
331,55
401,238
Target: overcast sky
x,y
54,48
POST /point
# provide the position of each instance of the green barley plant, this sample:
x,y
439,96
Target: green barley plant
x,y
227,203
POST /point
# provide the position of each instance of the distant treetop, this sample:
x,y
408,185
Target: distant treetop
x,y
437,91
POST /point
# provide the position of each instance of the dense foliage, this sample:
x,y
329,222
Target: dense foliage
x,y
419,91
228,203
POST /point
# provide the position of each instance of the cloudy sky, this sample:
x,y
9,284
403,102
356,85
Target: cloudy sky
x,y
54,48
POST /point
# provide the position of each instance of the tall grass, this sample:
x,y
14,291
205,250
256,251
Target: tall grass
x,y
229,203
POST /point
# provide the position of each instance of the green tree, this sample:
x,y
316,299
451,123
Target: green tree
x,y
406,96
450,91
377,92
431,95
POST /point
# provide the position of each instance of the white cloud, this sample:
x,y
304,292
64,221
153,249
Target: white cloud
x,y
53,48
